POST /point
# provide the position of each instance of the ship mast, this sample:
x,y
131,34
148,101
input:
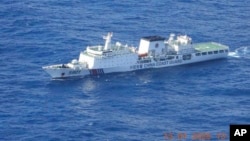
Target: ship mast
x,y
108,41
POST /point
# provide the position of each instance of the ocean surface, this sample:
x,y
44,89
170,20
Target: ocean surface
x,y
150,105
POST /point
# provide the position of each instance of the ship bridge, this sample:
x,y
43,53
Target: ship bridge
x,y
151,45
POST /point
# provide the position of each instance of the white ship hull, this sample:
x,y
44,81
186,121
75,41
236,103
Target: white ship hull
x,y
69,72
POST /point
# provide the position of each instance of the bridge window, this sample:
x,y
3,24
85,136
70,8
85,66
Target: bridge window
x,y
216,52
210,52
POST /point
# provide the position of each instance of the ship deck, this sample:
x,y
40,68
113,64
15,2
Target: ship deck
x,y
209,46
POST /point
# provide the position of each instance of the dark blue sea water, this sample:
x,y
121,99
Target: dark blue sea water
x,y
145,105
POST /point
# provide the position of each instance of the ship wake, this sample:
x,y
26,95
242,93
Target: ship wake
x,y
241,52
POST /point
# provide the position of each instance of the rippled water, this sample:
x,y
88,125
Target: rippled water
x,y
141,105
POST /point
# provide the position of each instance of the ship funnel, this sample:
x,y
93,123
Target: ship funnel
x,y
108,41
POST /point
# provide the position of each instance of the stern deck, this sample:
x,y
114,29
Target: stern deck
x,y
209,46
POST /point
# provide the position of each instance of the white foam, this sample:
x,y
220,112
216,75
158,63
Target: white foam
x,y
233,54
241,52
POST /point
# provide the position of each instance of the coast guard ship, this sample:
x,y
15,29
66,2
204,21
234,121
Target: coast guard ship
x,y
153,52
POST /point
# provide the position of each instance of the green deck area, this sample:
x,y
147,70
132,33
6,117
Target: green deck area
x,y
209,46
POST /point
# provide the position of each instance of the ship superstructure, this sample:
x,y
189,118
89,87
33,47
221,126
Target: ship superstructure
x,y
153,52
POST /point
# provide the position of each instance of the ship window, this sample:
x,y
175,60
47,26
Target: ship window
x,y
162,50
186,57
210,52
170,57
204,53
145,61
176,57
215,52
198,54
221,51
226,50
